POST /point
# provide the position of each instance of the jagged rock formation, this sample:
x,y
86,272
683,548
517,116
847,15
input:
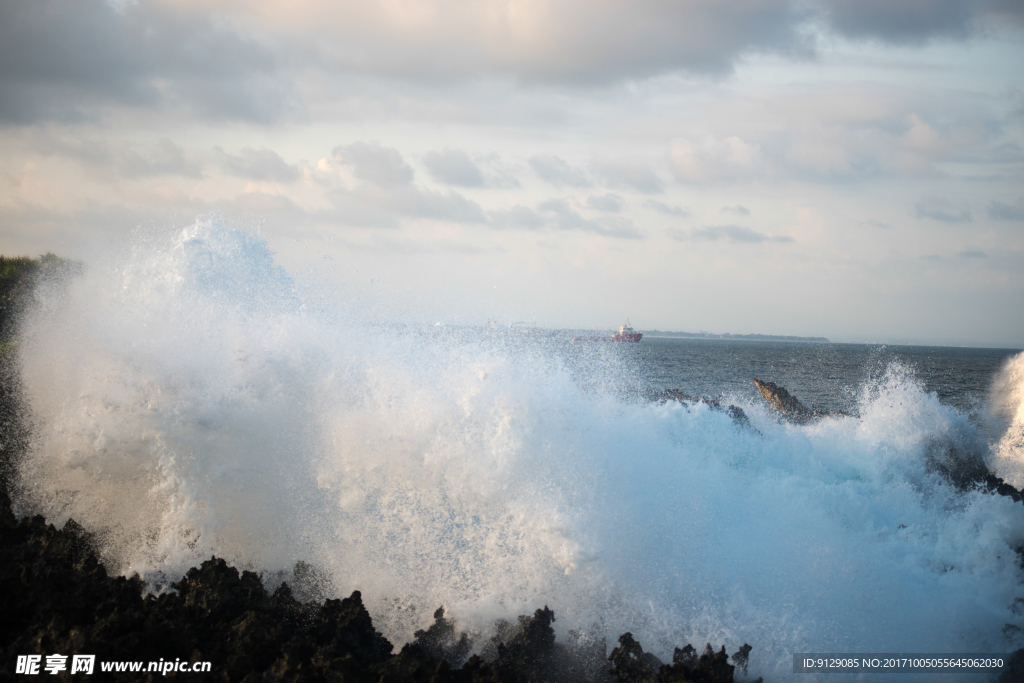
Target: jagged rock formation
x,y
735,412
56,598
958,459
788,405
633,665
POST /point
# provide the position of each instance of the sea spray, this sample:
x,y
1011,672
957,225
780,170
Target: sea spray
x,y
195,399
1006,401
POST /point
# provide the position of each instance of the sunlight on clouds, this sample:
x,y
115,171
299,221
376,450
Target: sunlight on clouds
x,y
922,137
809,225
532,39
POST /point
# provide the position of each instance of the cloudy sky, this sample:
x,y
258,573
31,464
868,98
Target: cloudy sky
x,y
845,168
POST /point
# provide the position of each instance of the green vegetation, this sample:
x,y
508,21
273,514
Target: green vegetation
x,y
15,274
18,276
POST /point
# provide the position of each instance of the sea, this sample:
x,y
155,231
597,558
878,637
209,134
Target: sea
x,y
190,397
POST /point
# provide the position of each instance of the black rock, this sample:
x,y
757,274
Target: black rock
x,y
788,405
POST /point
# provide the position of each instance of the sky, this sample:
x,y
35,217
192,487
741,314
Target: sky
x,y
852,169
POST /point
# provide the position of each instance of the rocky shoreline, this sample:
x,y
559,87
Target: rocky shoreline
x,y
57,598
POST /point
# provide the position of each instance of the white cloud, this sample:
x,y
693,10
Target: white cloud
x,y
609,201
711,159
375,206
564,217
729,233
518,216
258,164
113,159
628,175
562,214
835,133
558,172
444,206
375,164
599,100
667,209
454,167
1007,212
941,210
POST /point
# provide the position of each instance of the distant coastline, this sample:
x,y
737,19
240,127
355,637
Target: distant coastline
x,y
742,337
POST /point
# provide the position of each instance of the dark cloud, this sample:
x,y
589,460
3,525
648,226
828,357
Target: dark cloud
x,y
667,209
738,210
611,40
972,253
73,59
601,41
372,163
628,176
730,233
258,164
1007,11
579,41
608,202
558,172
876,224
1006,212
911,22
939,211
69,59
454,167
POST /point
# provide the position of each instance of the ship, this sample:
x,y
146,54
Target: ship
x,y
625,334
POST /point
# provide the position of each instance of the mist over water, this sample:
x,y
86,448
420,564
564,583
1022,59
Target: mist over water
x,y
193,399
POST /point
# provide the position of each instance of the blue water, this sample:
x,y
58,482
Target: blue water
x,y
827,376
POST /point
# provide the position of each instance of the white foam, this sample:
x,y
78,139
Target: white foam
x,y
190,402
1007,405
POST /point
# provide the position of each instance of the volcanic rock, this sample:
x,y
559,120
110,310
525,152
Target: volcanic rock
x,y
788,405
57,598
665,395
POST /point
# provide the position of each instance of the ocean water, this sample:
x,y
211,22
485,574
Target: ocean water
x,y
190,397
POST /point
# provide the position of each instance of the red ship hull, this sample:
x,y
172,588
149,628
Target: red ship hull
x,y
629,337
